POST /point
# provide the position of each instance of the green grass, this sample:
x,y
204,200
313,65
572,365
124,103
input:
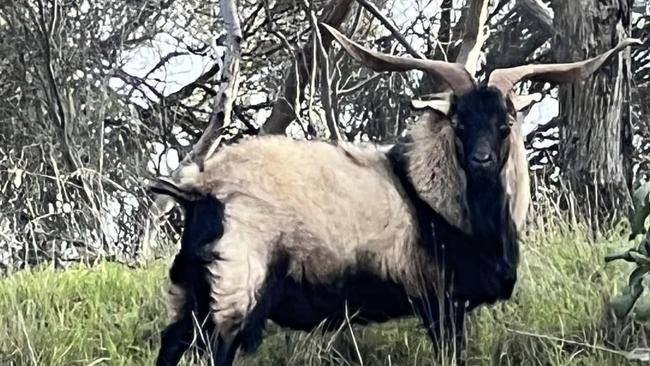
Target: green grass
x,y
110,314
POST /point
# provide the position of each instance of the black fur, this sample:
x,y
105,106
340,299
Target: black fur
x,y
482,121
202,225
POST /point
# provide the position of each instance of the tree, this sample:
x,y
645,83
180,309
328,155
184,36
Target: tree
x,y
80,127
595,122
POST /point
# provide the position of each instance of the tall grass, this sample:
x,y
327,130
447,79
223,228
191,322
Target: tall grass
x,y
111,314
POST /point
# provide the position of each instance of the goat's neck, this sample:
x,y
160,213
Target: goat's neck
x,y
487,208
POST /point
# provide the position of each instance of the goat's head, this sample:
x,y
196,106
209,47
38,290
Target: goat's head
x,y
488,142
482,128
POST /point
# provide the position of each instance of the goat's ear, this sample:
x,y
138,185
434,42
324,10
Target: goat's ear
x,y
521,102
167,187
440,102
454,74
505,79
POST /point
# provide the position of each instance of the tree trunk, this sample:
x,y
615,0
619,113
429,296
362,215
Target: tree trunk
x,y
595,148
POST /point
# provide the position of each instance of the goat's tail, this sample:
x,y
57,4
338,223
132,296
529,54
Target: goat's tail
x,y
184,188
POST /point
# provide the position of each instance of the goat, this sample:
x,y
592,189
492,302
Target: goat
x,y
298,232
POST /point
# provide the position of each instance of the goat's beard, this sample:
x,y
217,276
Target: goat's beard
x,y
485,195
482,175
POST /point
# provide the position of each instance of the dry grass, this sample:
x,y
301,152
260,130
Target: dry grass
x,y
110,314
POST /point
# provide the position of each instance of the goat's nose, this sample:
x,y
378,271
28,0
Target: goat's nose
x,y
481,158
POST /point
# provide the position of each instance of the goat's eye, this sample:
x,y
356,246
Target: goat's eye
x,y
504,129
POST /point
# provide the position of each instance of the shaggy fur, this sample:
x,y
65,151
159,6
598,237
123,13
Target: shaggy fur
x,y
189,301
436,172
434,169
368,240
515,175
300,232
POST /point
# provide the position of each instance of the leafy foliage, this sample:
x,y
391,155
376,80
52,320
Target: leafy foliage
x,y
632,296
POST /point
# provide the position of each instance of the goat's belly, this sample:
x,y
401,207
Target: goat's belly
x,y
365,298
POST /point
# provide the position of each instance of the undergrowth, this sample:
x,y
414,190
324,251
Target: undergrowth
x,y
110,314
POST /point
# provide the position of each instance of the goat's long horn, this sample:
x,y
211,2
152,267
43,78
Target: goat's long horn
x,y
505,79
454,74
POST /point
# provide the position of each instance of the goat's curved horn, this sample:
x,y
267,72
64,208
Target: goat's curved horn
x,y
505,79
453,74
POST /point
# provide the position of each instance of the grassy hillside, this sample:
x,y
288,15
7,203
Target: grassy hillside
x,y
110,314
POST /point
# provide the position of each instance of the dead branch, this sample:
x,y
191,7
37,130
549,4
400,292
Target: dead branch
x,y
540,130
283,113
219,119
325,81
222,111
507,48
393,30
473,35
55,102
536,11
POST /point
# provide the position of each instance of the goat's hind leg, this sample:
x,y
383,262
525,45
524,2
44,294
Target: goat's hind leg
x,y
190,305
235,329
177,337
239,297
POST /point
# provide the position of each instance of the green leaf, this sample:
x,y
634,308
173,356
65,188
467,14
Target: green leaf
x,y
619,254
642,308
641,202
636,277
639,258
623,303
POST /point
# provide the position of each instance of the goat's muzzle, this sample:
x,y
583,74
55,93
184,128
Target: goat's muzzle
x,y
482,160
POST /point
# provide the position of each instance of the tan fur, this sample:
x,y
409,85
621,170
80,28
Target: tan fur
x,y
515,176
333,208
176,297
434,168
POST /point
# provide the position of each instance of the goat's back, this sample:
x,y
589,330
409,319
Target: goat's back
x,y
332,207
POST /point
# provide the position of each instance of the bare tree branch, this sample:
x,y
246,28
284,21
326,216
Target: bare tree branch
x,y
222,112
540,130
536,11
359,85
282,113
55,102
325,82
188,89
164,60
473,35
219,119
393,30
507,49
500,5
